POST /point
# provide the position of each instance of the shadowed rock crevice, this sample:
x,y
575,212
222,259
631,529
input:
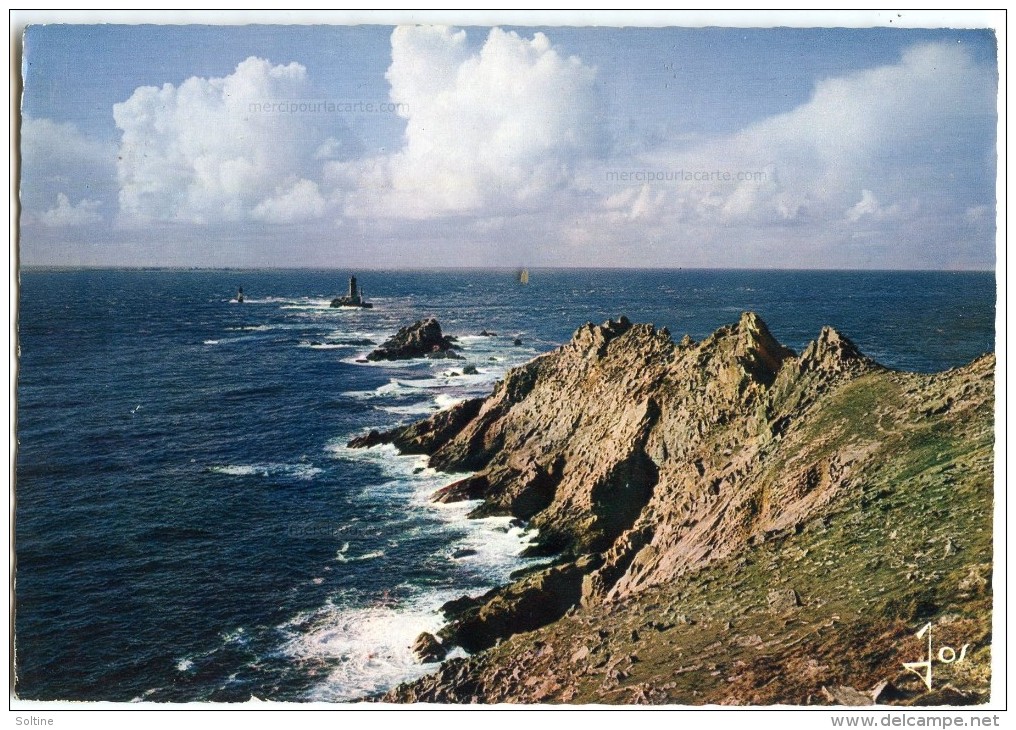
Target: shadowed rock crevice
x,y
617,560
528,604
619,499
521,490
464,490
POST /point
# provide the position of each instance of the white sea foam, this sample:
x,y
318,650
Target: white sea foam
x,y
343,557
361,649
229,340
360,358
323,345
447,401
495,543
428,394
394,388
263,327
236,636
307,303
364,649
236,471
423,408
264,300
423,383
383,454
299,471
347,334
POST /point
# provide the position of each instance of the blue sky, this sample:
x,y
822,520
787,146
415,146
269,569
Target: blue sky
x,y
791,148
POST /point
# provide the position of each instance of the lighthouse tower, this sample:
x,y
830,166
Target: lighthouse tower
x,y
355,297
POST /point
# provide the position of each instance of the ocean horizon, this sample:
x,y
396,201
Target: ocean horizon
x,y
481,268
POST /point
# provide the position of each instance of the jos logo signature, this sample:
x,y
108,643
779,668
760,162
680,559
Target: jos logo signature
x,y
946,655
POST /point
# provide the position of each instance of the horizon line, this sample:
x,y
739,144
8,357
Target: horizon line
x,y
499,268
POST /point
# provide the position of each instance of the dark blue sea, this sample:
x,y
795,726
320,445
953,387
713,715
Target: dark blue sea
x,y
189,523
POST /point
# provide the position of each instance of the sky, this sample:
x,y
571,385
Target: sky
x,y
419,146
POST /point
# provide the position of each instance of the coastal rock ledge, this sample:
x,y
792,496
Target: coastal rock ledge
x,y
677,488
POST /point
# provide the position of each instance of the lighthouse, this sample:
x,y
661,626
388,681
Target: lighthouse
x,y
354,298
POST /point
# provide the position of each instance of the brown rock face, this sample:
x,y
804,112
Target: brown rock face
x,y
428,649
464,489
425,436
641,461
623,443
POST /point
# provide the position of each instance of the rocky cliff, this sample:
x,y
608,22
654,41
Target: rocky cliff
x,y
801,512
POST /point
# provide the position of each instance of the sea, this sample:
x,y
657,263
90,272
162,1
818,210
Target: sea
x,y
190,525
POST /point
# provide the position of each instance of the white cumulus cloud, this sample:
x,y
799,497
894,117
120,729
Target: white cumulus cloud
x,y
297,202
221,149
487,132
47,144
66,214
868,208
895,128
58,160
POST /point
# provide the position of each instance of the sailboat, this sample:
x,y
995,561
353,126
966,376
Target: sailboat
x,y
523,276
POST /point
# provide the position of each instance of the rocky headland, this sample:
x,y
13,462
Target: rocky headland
x,y
725,521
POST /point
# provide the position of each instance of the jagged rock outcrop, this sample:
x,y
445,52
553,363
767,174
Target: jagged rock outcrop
x,y
624,443
644,463
427,648
424,437
421,339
